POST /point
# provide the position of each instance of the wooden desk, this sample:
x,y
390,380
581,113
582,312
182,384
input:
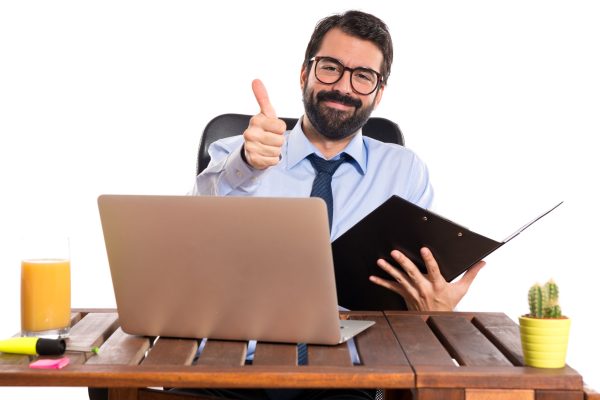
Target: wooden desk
x,y
466,356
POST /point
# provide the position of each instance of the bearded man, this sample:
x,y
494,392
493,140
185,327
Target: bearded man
x,y
345,71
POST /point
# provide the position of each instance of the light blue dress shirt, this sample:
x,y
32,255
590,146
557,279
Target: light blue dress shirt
x,y
377,171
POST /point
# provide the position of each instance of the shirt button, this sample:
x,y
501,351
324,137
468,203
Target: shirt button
x,y
239,173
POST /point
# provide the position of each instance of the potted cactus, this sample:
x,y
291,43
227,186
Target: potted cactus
x,y
544,331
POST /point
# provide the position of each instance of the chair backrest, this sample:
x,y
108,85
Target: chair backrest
x,y
226,125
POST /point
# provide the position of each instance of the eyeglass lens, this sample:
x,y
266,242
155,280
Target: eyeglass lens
x,y
364,81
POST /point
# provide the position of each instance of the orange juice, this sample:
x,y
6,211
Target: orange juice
x,y
45,296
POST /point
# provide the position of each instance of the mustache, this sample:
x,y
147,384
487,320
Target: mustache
x,y
334,95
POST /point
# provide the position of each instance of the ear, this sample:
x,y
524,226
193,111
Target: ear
x,y
303,76
379,95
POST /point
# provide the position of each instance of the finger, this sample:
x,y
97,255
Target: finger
x,y
409,267
409,291
258,135
398,275
268,124
469,276
262,97
433,269
390,285
261,162
263,150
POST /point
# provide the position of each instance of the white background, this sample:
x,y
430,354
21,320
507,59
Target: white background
x,y
501,99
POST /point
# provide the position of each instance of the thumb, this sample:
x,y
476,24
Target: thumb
x,y
262,97
471,273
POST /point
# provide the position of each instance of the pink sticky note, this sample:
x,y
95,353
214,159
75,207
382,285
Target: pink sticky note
x,y
50,363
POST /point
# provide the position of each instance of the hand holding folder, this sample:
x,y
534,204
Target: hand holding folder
x,y
424,292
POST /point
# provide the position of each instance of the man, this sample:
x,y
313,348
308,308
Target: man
x,y
343,77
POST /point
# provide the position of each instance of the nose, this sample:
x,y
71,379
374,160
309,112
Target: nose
x,y
344,85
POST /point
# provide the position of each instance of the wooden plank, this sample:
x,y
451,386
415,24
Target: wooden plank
x,y
465,342
92,330
507,377
210,376
558,395
275,354
378,345
420,345
495,394
440,394
424,315
170,351
338,356
223,353
76,317
504,333
121,349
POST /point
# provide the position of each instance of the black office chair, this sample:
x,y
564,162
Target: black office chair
x,y
226,125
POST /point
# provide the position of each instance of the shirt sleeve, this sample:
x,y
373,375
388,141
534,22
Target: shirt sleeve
x,y
227,172
421,191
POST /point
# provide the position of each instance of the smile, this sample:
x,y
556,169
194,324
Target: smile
x,y
338,105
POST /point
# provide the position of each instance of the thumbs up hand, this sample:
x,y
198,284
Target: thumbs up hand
x,y
264,137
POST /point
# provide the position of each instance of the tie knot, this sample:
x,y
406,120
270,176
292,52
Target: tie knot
x,y
326,166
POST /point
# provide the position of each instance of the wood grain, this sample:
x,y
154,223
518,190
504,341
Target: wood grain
x,y
558,395
419,343
275,354
503,333
466,343
378,344
92,330
338,356
495,394
169,351
121,349
223,353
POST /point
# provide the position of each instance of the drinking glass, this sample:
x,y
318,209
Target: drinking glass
x,y
46,287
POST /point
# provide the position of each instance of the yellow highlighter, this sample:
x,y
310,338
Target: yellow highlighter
x,y
39,346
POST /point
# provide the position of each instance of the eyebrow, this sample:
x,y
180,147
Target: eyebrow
x,y
345,65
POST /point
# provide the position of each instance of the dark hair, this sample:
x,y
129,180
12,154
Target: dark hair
x,y
361,25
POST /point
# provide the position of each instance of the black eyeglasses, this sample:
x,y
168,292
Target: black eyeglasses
x,y
329,71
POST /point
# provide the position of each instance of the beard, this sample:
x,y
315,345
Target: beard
x,y
332,123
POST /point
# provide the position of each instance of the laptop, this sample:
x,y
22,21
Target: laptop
x,y
234,268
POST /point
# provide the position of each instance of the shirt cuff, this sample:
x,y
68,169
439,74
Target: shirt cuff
x,y
239,173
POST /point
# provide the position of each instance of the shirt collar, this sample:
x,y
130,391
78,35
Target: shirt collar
x,y
298,147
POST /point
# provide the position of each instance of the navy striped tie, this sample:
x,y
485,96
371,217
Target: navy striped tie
x,y
324,170
322,184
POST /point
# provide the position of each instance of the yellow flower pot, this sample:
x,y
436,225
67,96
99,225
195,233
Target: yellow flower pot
x,y
544,341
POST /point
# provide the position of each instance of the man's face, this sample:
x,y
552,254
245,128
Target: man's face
x,y
335,110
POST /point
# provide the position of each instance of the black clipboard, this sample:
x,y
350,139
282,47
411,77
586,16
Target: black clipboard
x,y
402,225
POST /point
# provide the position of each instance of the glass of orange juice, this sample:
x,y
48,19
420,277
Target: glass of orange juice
x,y
46,287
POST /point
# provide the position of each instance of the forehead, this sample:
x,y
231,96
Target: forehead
x,y
350,50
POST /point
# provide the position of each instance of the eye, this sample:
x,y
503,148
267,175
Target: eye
x,y
365,76
329,67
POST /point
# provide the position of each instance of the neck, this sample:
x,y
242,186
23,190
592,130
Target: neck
x,y
329,148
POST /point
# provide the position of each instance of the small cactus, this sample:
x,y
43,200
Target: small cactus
x,y
543,301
